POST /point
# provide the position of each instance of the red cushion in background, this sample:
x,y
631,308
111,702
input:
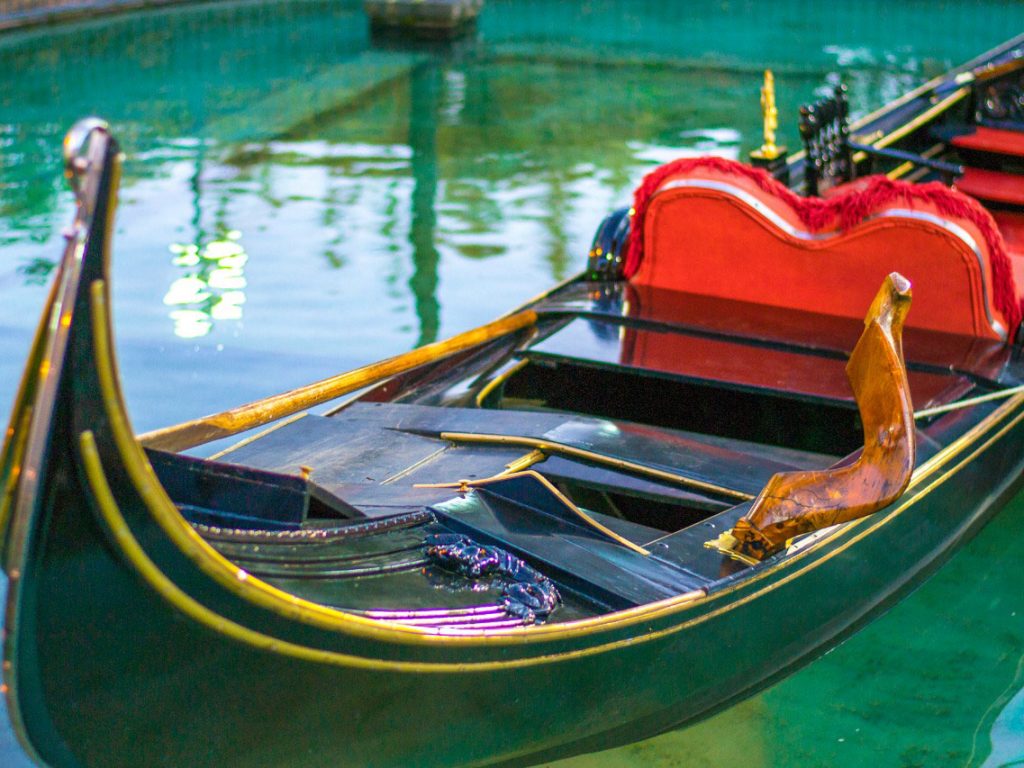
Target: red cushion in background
x,y
994,186
994,140
718,228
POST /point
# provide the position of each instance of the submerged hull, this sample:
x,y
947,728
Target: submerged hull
x,y
132,640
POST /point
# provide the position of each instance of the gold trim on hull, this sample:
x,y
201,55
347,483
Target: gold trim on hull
x,y
167,589
12,450
251,588
922,119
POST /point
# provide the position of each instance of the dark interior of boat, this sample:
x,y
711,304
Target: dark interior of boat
x,y
602,448
336,508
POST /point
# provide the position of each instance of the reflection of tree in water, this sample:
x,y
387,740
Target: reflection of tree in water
x,y
522,142
526,147
330,219
425,90
37,271
27,191
559,204
525,138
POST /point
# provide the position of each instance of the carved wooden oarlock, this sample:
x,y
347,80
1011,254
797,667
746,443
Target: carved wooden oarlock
x,y
793,503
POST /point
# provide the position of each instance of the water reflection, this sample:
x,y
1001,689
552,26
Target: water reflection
x,y
425,88
212,287
1006,735
37,270
501,158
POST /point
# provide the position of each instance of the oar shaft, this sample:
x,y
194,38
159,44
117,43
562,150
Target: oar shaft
x,y
198,431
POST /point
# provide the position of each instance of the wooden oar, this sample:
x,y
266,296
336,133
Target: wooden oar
x,y
198,431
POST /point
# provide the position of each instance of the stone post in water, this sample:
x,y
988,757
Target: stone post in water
x,y
423,18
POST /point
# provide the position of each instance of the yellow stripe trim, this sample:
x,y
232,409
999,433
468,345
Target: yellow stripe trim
x,y
13,450
497,381
285,604
907,128
169,591
209,560
549,447
202,615
922,119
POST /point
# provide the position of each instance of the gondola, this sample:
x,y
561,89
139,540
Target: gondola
x,y
776,400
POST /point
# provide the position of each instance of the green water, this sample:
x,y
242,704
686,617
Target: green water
x,y
298,201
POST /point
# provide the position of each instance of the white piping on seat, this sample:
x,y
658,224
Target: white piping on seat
x,y
897,213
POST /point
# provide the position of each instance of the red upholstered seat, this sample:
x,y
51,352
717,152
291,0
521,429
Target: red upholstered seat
x,y
1011,225
994,186
994,140
719,228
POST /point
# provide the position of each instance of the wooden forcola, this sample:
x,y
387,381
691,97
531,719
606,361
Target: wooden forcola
x,y
794,503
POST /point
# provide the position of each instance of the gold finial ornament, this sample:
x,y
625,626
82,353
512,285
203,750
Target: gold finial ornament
x,y
769,150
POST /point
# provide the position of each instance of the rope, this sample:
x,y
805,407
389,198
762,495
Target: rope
x,y
971,401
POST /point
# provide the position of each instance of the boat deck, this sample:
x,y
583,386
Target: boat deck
x,y
576,467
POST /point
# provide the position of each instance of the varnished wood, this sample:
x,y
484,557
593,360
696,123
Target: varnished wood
x,y
794,503
251,415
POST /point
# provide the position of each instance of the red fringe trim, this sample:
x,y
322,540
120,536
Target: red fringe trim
x,y
847,208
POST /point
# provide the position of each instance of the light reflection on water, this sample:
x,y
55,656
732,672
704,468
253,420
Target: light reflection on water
x,y
212,287
1006,737
439,188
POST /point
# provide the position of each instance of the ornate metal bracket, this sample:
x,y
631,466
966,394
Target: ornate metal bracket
x,y
824,130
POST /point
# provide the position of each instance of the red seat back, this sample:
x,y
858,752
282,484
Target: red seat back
x,y
719,228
